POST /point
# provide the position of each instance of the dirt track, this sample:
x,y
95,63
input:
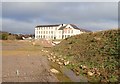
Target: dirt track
x,y
21,62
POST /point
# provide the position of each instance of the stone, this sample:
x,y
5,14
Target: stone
x,y
51,53
66,63
83,66
90,73
46,51
17,72
53,60
33,43
54,71
57,60
54,56
49,58
60,63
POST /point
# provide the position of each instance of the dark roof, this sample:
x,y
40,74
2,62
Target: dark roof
x,y
47,25
74,26
61,28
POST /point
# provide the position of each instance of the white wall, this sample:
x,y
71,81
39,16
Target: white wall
x,y
51,32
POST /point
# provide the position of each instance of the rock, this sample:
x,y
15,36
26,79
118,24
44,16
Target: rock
x,y
33,43
77,73
57,60
51,53
83,66
90,73
66,63
60,63
17,72
49,58
54,57
97,38
46,51
53,60
98,73
54,71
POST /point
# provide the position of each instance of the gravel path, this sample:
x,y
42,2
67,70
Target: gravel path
x,y
25,66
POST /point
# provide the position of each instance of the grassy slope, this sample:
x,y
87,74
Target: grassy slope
x,y
95,50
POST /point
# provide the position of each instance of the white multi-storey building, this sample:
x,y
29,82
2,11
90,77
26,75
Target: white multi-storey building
x,y
60,31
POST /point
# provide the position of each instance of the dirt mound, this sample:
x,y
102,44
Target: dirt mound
x,y
96,50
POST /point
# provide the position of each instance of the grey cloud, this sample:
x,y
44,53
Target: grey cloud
x,y
86,14
17,27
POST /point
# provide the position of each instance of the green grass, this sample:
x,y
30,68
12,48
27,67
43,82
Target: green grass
x,y
95,50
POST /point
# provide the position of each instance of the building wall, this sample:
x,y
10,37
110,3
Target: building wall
x,y
54,33
45,32
70,32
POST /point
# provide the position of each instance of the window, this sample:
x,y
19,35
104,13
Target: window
x,y
68,31
51,36
71,31
43,36
51,32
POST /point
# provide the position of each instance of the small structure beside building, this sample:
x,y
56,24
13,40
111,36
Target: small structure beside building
x,y
60,31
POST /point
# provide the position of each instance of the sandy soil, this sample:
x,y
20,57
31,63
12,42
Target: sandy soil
x,y
23,63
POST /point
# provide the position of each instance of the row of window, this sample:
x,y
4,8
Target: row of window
x,y
44,32
53,37
66,36
44,36
51,32
45,28
68,31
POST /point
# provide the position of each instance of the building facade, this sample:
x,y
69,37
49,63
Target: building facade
x,y
60,31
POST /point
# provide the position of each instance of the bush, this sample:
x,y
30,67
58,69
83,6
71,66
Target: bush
x,y
4,36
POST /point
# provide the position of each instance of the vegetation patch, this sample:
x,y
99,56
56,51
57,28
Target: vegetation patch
x,y
94,55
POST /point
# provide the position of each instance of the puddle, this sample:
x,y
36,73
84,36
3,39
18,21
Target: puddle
x,y
69,73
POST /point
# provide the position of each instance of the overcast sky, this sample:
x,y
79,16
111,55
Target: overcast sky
x,y
22,17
